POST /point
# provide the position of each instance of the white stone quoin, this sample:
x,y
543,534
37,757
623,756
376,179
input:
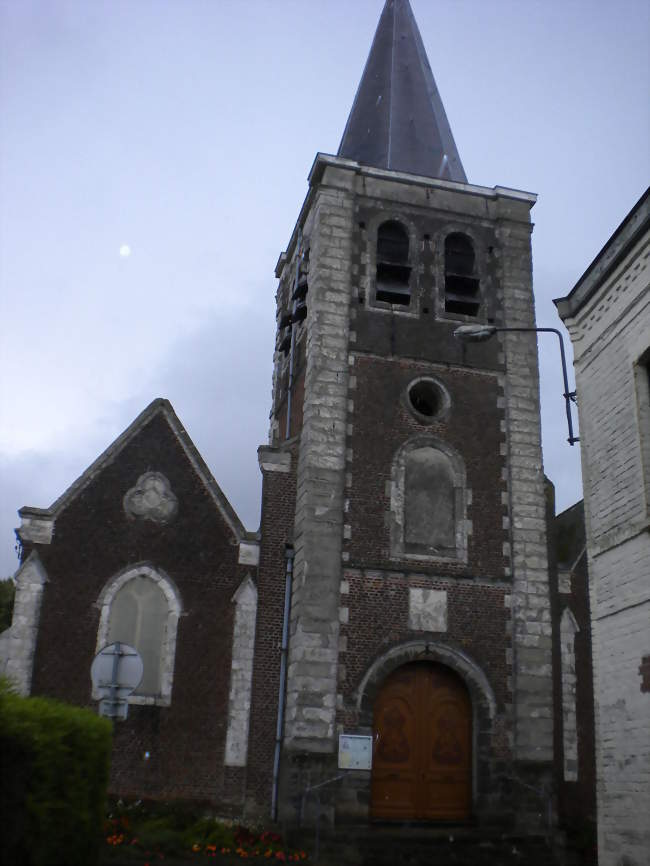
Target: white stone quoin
x,y
241,674
30,582
568,629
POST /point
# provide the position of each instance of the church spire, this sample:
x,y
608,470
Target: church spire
x,y
398,120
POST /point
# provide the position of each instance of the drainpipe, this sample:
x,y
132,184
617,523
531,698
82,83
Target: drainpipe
x,y
284,649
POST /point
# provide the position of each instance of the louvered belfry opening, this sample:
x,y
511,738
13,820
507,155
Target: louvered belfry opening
x,y
298,306
462,285
393,268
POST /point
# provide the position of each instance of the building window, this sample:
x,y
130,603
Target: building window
x,y
462,285
428,502
137,618
141,607
642,383
393,266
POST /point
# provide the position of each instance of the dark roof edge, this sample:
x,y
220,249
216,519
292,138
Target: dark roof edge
x,y
163,406
580,504
610,256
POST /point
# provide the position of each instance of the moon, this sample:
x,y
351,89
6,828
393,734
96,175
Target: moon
x,y
125,251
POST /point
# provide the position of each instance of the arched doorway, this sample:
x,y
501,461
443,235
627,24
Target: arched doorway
x,y
422,746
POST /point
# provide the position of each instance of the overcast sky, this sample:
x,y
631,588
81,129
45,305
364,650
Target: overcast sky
x,y
153,159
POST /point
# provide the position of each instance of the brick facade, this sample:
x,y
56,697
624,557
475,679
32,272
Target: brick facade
x,y
358,590
174,751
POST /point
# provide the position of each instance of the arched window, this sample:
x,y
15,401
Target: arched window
x,y
141,607
393,268
138,618
462,285
428,501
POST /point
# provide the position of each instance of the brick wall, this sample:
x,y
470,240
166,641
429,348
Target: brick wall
x,y
353,597
569,589
93,541
381,423
278,509
378,612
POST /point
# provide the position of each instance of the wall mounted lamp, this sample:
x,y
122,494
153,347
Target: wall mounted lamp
x,y
481,333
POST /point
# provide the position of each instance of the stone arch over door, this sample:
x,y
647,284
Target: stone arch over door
x,y
481,695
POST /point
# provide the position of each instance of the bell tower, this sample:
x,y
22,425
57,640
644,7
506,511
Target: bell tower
x,y
419,532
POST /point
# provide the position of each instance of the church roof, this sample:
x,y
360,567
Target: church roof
x,y
397,119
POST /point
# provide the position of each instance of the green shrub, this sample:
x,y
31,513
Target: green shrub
x,y
55,774
7,595
209,831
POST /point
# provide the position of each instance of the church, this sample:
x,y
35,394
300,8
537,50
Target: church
x,y
387,632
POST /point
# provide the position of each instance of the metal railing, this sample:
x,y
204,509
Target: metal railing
x,y
544,794
303,800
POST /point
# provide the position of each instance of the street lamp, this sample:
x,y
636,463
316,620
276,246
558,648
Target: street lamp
x,y
481,333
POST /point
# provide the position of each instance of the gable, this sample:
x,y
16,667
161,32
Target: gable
x,y
154,449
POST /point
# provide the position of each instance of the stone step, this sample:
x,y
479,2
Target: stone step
x,y
416,847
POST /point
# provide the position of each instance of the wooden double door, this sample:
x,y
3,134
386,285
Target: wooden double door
x,y
422,746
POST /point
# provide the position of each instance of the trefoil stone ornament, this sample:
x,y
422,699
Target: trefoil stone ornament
x,y
151,498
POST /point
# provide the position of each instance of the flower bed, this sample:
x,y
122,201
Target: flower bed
x,y
141,833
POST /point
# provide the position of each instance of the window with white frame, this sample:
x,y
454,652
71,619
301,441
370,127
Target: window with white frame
x,y
141,607
642,384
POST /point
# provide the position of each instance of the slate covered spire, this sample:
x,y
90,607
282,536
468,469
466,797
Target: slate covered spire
x,y
398,120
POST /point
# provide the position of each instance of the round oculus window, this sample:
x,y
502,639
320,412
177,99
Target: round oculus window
x,y
427,399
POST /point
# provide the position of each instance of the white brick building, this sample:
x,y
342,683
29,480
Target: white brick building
x,y
607,314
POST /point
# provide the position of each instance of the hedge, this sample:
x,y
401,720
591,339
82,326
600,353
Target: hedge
x,y
55,765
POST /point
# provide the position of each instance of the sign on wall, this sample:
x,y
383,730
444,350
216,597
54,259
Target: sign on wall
x,y
355,752
116,671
